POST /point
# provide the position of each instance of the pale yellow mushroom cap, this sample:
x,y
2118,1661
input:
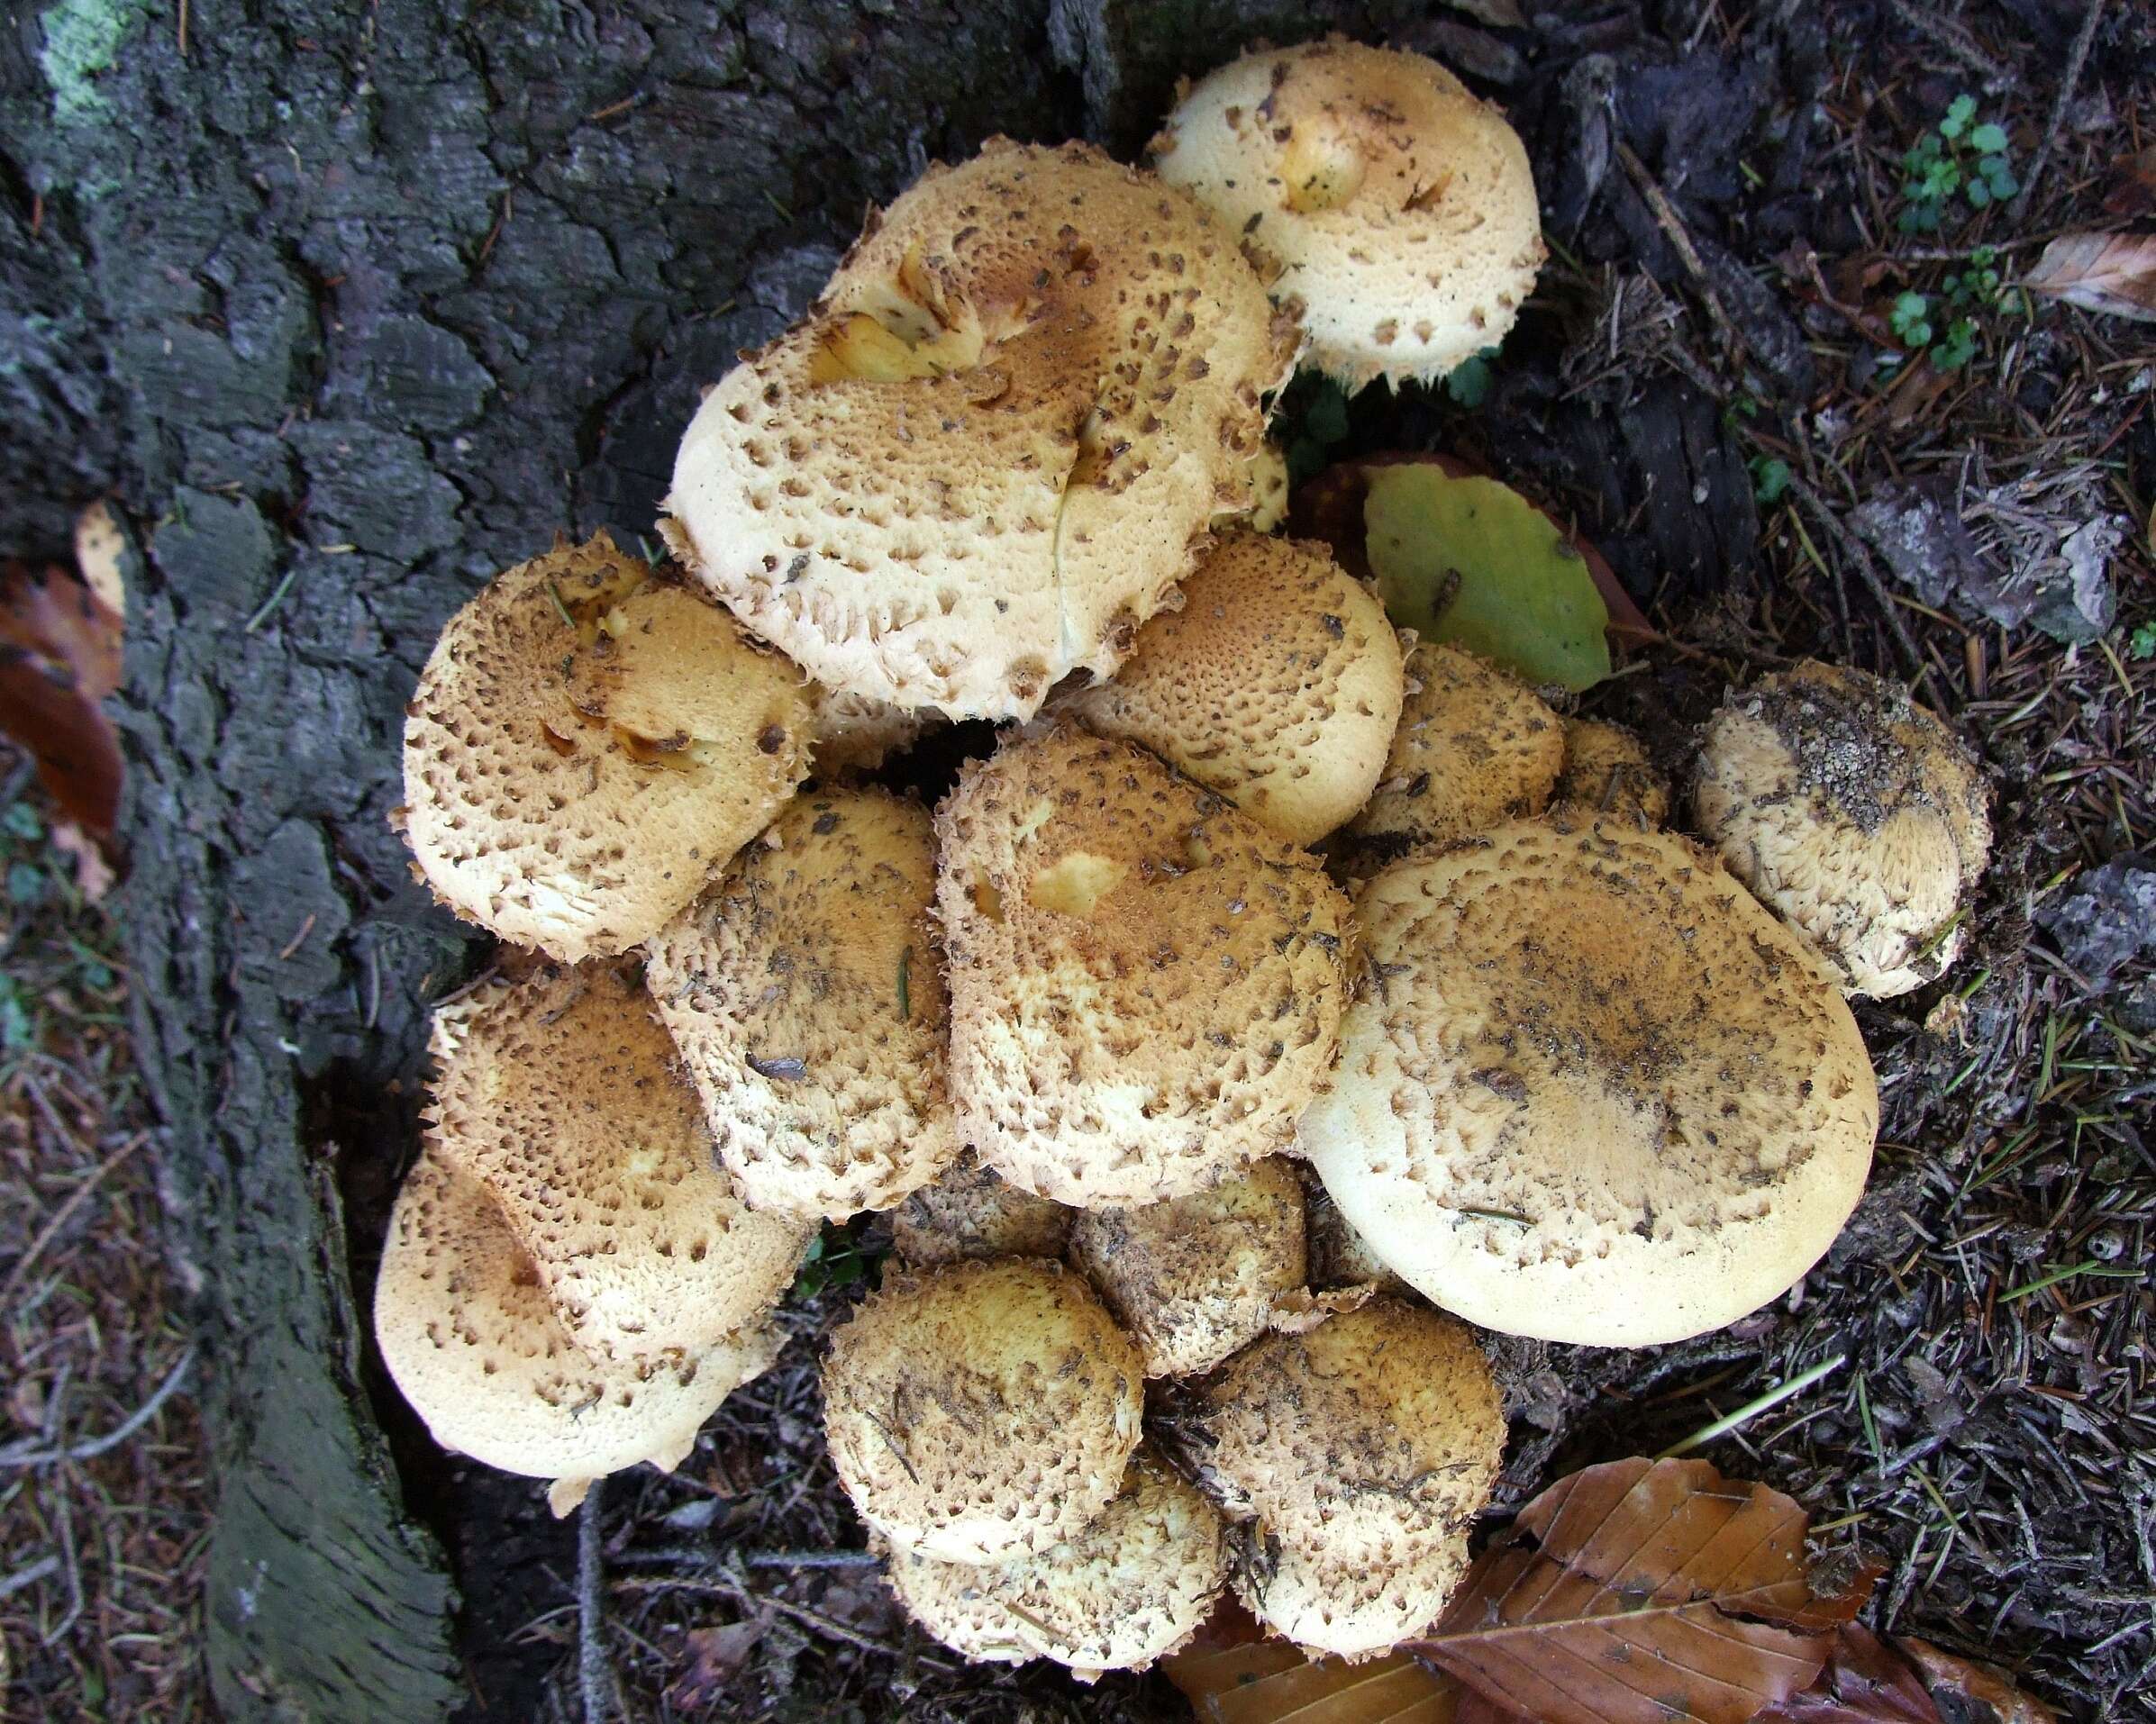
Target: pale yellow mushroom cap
x,y
994,446
971,1211
1278,684
585,744
1386,204
1607,773
982,1410
1145,984
856,733
1591,1092
1353,1607
1128,1588
805,994
1853,814
559,1095
1268,488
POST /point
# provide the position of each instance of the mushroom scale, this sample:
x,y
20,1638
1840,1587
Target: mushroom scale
x,y
971,1211
994,446
982,1410
1278,684
586,742
805,994
1145,984
1593,1092
1853,814
1127,1589
1393,211
853,734
559,1095
1607,772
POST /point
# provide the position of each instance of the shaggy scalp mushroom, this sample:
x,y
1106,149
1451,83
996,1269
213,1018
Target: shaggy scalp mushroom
x,y
1196,1278
992,449
1360,1452
1385,204
1853,814
1268,488
982,1410
469,1334
851,733
1130,1587
970,1210
805,992
1145,984
559,1095
1607,772
1278,684
1473,747
1592,1092
585,744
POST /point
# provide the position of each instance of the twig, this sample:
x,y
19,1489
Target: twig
x,y
2075,61
112,1440
733,1589
1673,229
682,1557
68,1205
595,1677
1854,549
1958,42
29,1576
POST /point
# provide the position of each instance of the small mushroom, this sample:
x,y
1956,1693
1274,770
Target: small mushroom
x,y
1384,204
586,742
970,1210
1145,984
982,1410
1195,1279
805,993
1278,684
1130,1587
1607,772
1360,1451
1592,1092
1851,812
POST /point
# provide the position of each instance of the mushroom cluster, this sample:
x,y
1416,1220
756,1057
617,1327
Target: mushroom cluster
x,y
1273,997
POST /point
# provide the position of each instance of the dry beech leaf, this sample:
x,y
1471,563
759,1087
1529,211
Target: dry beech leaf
x,y
1980,1692
1647,1591
2115,273
2132,184
60,656
1865,1681
1230,1675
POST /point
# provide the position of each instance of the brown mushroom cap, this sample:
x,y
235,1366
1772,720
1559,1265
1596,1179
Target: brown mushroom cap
x,y
991,451
971,1211
1145,984
1278,684
806,995
1607,772
1381,200
1593,1092
1194,1279
1853,814
585,744
982,1410
853,734
1473,747
559,1095
1130,1587
469,1334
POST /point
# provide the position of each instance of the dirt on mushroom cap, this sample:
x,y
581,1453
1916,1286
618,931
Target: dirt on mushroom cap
x,y
585,744
1592,1091
992,448
971,1211
1607,772
1145,984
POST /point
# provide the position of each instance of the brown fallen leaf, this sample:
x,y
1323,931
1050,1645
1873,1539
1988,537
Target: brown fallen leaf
x,y
1865,1681
1981,1692
2132,189
716,1656
60,656
1231,1675
2112,272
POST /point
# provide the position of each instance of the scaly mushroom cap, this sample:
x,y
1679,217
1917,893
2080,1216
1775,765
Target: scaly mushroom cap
x,y
1194,1279
559,1095
1853,814
1389,207
1145,984
1473,747
1357,1608
855,733
1593,1092
1339,1256
586,744
1268,488
969,1211
982,1410
994,447
1278,684
467,1330
1607,772
1131,1586
805,996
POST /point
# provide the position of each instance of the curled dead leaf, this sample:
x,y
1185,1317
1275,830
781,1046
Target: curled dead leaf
x,y
2111,272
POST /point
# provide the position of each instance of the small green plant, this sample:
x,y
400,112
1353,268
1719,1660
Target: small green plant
x,y
1949,343
1958,157
1769,478
2142,642
1976,287
1321,422
1468,383
835,1258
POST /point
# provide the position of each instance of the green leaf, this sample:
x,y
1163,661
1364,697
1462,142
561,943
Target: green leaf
x,y
1958,114
1472,562
1991,140
2143,643
25,883
1769,478
1468,382
1325,420
22,821
1979,194
2001,185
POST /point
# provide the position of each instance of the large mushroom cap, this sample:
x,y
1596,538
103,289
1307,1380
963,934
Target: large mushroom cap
x,y
982,1410
1607,772
1278,684
1853,814
472,1341
585,744
851,733
1353,1606
805,992
559,1095
1145,984
990,452
1127,1589
1389,207
1592,1092
971,1211
1195,1279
